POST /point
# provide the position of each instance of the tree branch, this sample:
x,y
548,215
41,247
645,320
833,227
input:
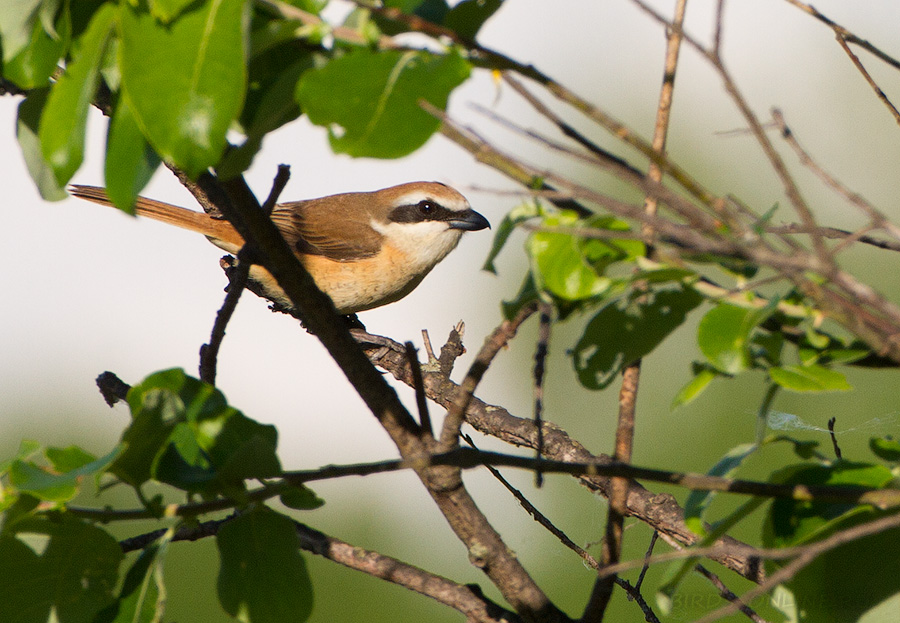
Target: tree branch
x,y
457,596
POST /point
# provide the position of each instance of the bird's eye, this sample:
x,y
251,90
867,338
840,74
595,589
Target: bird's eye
x,y
427,207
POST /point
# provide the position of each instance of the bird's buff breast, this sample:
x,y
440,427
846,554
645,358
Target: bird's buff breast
x,y
354,286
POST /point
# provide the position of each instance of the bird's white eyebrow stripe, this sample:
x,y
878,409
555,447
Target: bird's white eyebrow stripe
x,y
414,197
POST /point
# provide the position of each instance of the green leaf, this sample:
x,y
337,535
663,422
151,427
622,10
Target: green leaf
x,y
839,585
27,448
69,459
813,378
33,65
16,26
301,498
768,346
167,10
572,267
184,433
527,294
655,273
20,570
835,351
621,334
804,448
142,596
183,463
698,501
724,336
703,376
561,268
514,217
75,575
263,578
44,484
378,114
16,506
186,80
270,101
64,119
849,351
154,416
27,123
885,449
130,161
467,17
431,10
844,583
795,522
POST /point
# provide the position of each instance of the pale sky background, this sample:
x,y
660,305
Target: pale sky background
x,y
87,289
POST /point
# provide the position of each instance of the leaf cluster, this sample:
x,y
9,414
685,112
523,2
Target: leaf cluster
x,y
182,434
199,84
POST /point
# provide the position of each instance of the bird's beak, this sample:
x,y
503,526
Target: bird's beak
x,y
470,220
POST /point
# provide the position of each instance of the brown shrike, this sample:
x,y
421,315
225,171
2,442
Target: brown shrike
x,y
363,249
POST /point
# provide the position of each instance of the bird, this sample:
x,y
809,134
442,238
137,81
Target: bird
x,y
363,249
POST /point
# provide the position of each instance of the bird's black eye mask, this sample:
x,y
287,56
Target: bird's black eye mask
x,y
424,210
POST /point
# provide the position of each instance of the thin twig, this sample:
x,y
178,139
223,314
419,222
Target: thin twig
x,y
429,350
878,218
623,170
464,458
845,34
596,154
868,78
537,515
653,538
419,388
540,360
611,551
837,234
209,352
834,443
727,594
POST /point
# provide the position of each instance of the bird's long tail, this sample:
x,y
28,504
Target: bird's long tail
x,y
220,232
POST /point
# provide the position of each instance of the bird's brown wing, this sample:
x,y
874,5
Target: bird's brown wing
x,y
336,229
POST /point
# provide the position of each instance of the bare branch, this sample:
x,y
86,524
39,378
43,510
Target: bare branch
x,y
457,596
845,34
868,78
776,162
878,218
